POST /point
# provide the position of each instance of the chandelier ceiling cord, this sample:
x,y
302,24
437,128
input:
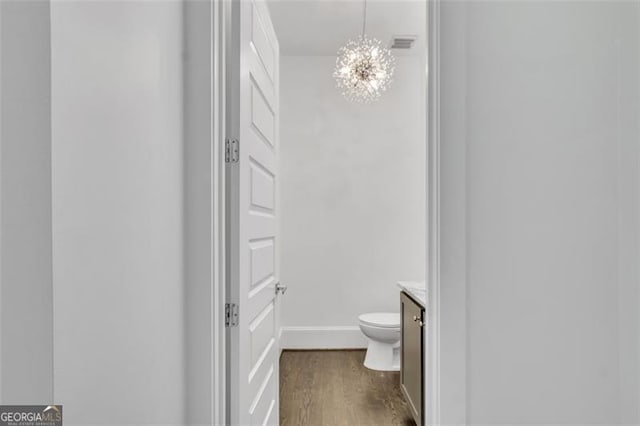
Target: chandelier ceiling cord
x,y
364,18
364,67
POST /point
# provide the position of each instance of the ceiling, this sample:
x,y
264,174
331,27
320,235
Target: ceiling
x,y
320,27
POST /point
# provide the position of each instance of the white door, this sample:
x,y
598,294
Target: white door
x,y
253,238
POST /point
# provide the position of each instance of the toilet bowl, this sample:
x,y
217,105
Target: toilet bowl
x,y
383,331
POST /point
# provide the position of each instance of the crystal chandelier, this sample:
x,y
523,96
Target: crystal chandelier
x,y
364,67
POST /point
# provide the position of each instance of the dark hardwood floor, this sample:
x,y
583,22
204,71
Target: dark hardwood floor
x,y
333,388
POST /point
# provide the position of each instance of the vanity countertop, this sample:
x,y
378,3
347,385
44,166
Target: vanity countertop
x,y
416,289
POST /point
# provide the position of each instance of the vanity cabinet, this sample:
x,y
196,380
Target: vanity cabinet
x,y
412,355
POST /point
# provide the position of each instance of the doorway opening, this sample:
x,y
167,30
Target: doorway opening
x,y
327,211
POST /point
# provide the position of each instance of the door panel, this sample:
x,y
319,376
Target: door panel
x,y
260,372
261,333
262,189
252,201
262,118
262,261
264,402
263,45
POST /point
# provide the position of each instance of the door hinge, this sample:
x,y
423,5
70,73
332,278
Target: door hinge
x,y
230,314
232,151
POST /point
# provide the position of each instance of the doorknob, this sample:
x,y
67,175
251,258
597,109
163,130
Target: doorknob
x,y
418,320
281,288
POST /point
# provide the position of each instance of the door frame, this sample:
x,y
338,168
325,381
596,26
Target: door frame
x,y
216,94
435,405
447,322
431,332
203,73
219,106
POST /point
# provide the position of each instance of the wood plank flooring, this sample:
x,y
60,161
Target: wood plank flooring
x,y
333,388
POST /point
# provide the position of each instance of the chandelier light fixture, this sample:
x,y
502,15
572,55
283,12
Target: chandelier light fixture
x,y
364,67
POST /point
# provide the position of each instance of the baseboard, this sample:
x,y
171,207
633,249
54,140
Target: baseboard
x,y
339,337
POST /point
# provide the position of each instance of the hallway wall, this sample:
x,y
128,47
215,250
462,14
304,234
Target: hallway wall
x,y
25,204
117,212
540,218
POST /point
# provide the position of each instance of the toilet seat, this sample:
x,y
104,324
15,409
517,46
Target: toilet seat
x,y
381,319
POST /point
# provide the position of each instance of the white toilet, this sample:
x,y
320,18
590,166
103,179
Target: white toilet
x,y
383,331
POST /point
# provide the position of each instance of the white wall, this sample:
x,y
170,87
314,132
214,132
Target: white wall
x,y
25,200
119,353
540,150
352,197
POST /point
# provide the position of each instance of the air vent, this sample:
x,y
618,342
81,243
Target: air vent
x,y
403,42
